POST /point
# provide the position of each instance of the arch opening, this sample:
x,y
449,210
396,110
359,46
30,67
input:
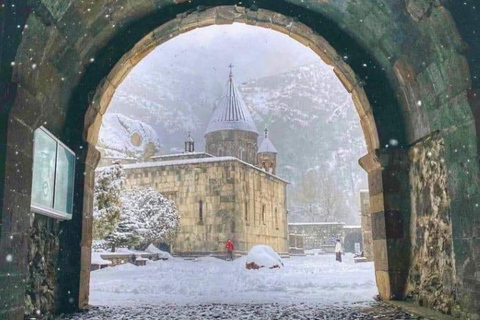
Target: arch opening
x,y
426,91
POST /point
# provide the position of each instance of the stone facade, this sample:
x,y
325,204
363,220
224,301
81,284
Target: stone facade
x,y
219,198
366,220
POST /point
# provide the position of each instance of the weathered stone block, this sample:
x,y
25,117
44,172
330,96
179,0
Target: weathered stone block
x,y
419,9
167,31
375,183
378,226
404,71
456,72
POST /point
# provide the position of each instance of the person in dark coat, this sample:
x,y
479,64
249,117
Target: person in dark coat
x,y
229,246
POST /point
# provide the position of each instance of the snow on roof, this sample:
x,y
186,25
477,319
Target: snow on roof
x,y
267,146
231,113
97,259
314,223
153,164
181,154
119,158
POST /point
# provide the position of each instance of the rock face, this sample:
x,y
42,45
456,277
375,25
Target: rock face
x,y
432,272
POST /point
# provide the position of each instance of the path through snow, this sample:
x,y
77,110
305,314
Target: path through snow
x,y
312,280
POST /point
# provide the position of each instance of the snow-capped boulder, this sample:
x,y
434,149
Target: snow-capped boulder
x,y
262,256
162,255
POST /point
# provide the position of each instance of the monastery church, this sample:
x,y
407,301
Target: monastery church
x,y
230,191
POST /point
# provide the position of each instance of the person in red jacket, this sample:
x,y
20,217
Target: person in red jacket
x,y
230,249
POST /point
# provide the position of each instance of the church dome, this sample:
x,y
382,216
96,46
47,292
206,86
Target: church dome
x,y
231,113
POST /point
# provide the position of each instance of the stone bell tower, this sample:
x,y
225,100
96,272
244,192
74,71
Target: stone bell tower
x,y
267,155
189,144
231,130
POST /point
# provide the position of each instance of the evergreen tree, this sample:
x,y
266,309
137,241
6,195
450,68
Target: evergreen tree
x,y
109,185
125,234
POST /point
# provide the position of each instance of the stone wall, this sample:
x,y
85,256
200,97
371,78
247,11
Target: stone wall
x,y
431,279
41,283
351,236
366,220
236,201
261,206
235,143
318,235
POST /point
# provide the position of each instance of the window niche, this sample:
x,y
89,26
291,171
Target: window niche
x,y
53,176
200,212
263,214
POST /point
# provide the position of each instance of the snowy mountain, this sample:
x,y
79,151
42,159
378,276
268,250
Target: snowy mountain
x,y
310,116
124,137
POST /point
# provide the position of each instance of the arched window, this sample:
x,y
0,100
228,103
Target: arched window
x,y
200,211
246,211
263,214
276,218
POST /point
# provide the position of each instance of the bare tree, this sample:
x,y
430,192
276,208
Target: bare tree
x,y
319,198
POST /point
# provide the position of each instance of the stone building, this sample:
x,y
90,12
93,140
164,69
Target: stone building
x,y
230,191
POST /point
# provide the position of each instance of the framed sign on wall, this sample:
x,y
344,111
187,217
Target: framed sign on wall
x,y
53,176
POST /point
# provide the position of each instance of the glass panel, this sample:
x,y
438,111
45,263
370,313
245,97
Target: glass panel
x,y
43,169
64,180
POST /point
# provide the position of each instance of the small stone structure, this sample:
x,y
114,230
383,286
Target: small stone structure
x,y
296,242
322,235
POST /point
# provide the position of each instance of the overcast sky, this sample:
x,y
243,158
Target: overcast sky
x,y
255,52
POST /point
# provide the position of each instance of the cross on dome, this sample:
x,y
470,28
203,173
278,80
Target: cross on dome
x,y
231,113
231,70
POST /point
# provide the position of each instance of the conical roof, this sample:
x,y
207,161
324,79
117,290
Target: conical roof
x,y
267,146
231,113
189,138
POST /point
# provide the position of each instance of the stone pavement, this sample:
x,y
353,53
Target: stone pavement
x,y
246,311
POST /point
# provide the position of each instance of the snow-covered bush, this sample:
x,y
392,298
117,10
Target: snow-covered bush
x,y
157,218
109,185
263,256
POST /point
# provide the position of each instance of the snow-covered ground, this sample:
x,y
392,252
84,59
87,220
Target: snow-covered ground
x,y
312,280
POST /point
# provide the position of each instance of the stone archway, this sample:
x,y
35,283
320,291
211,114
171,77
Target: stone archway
x,y
403,63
